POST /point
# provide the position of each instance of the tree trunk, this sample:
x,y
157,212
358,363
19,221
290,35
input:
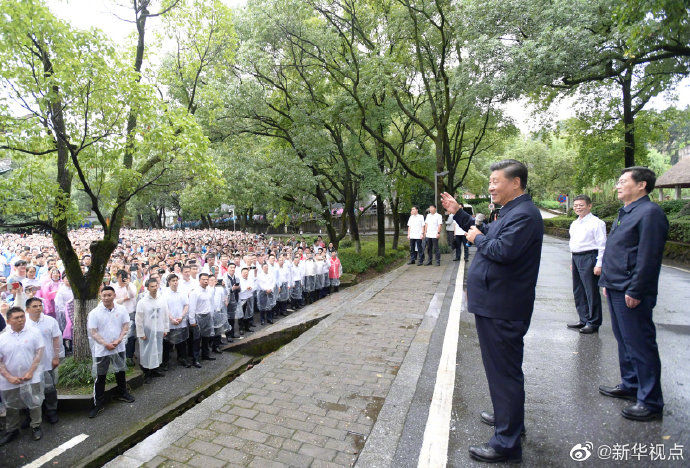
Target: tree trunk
x,y
395,201
380,226
82,347
628,119
354,227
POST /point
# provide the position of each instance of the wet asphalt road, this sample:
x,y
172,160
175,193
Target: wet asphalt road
x,y
563,370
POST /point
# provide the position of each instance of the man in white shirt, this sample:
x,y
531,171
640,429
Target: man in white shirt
x,y
21,351
52,341
201,320
178,308
432,230
587,243
153,324
245,307
126,296
415,232
108,325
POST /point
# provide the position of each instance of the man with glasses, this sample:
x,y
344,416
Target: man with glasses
x,y
630,277
587,243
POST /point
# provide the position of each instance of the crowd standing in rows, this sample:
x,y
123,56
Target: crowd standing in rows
x,y
164,291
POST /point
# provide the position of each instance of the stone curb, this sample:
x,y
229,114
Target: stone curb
x,y
164,437
165,415
380,447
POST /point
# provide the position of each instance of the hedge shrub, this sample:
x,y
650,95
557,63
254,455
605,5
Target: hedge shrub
x,y
673,207
359,263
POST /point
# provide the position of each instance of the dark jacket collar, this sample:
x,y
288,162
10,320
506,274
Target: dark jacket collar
x,y
629,208
514,202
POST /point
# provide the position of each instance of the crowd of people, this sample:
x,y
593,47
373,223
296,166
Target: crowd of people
x,y
187,291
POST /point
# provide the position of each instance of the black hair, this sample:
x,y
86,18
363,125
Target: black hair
x,y
31,300
171,276
512,169
642,174
122,273
203,274
13,310
584,198
108,288
151,280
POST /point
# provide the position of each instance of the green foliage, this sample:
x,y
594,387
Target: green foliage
x,y
673,207
75,374
560,222
550,204
368,259
679,230
606,209
685,211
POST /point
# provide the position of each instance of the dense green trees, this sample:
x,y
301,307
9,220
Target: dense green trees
x,y
308,107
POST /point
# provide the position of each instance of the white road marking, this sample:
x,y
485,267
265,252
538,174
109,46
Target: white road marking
x,y
57,451
434,453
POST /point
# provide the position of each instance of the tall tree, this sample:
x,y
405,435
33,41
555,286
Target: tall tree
x,y
79,118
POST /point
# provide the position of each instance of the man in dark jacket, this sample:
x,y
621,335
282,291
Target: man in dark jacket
x,y
501,284
630,277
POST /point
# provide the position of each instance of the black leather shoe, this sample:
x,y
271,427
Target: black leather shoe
x,y
588,330
197,364
184,363
486,453
8,437
125,397
95,411
420,264
270,321
639,412
208,358
488,419
52,418
575,325
157,373
411,262
36,433
616,392
217,351
165,367
427,264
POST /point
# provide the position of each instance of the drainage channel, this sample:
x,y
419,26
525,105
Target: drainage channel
x,y
253,351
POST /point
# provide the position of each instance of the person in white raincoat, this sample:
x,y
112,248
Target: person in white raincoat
x,y
296,278
108,325
178,336
52,340
265,296
21,378
283,285
309,272
152,324
220,312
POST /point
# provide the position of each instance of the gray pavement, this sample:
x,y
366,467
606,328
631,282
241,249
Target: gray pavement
x,y
563,370
315,401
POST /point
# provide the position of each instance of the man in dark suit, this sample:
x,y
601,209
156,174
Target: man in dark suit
x,y
501,285
630,277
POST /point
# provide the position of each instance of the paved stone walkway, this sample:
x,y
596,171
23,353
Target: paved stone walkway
x,y
315,401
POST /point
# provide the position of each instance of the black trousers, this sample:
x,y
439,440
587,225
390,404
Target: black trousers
x,y
638,353
180,348
586,288
102,365
415,248
502,346
200,347
432,245
461,243
129,346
